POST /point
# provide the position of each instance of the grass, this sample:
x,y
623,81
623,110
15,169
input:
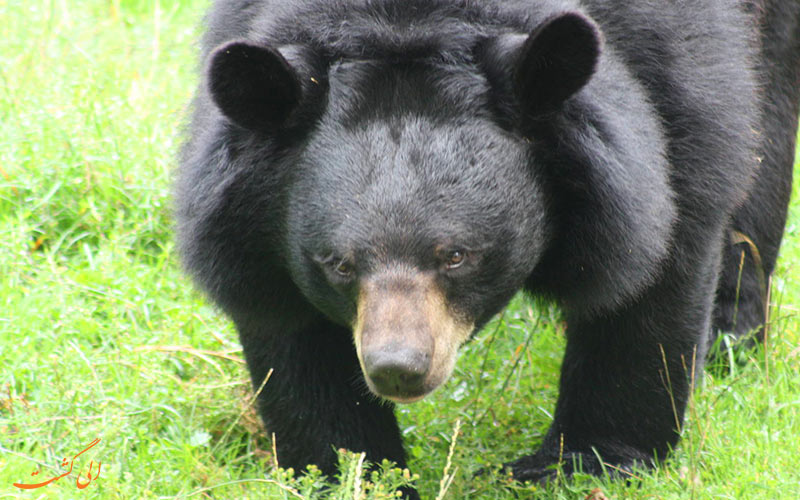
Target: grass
x,y
102,336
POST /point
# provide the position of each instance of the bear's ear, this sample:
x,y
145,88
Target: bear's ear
x,y
253,85
555,61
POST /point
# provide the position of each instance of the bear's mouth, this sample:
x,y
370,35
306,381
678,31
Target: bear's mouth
x,y
405,399
406,336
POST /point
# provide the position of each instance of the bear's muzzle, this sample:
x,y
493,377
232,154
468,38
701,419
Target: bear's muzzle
x,y
406,336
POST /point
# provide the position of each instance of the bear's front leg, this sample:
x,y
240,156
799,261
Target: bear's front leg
x,y
626,378
316,400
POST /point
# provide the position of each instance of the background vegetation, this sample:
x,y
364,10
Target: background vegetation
x,y
102,336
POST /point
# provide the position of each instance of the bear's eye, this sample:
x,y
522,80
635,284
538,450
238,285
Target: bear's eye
x,y
344,268
455,259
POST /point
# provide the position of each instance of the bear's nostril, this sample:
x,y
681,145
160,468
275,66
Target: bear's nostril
x,y
397,371
396,379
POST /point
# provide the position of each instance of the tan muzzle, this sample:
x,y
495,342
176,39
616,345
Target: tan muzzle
x,y
406,336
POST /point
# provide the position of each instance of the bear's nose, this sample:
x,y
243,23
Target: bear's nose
x,y
397,371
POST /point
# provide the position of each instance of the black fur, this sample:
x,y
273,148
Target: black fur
x,y
742,286
591,152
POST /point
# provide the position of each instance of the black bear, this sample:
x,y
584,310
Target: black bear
x,y
368,182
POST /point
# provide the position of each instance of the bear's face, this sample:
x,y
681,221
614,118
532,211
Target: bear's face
x,y
410,228
414,204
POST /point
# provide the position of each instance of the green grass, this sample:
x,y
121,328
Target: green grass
x,y
101,335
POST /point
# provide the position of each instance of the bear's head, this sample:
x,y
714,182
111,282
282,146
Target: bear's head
x,y
421,187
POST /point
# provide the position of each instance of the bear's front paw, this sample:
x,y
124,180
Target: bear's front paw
x,y
543,467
